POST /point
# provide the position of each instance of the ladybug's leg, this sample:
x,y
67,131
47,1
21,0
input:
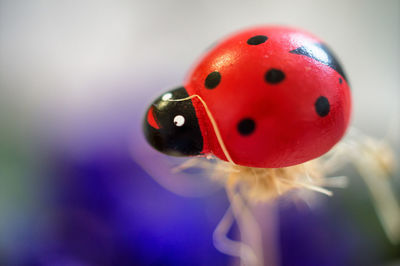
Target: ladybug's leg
x,y
336,182
308,186
249,254
220,238
190,163
214,166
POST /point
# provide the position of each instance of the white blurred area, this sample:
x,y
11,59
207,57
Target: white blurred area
x,y
64,61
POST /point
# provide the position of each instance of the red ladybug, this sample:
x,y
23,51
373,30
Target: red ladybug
x,y
264,97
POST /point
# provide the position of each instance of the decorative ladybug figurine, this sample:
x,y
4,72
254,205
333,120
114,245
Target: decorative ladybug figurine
x,y
268,100
265,97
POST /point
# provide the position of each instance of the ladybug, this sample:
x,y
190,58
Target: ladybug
x,y
266,97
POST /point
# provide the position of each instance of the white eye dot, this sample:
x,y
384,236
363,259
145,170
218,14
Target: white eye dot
x,y
179,120
166,96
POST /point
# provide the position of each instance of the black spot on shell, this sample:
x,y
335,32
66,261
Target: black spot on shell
x,y
322,54
246,126
256,40
274,76
322,106
212,80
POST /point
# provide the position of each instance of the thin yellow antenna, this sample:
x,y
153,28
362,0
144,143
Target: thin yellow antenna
x,y
213,123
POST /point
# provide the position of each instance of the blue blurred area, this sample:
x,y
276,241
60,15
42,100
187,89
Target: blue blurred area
x,y
107,211
103,209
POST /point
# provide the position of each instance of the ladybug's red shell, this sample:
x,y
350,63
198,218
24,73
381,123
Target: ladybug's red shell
x,y
277,94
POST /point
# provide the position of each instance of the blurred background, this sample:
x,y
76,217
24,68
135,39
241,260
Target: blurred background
x,y
75,77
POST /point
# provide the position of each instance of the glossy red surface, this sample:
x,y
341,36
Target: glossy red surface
x,y
288,129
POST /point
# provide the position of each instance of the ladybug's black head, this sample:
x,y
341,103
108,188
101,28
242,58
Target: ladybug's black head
x,y
171,126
